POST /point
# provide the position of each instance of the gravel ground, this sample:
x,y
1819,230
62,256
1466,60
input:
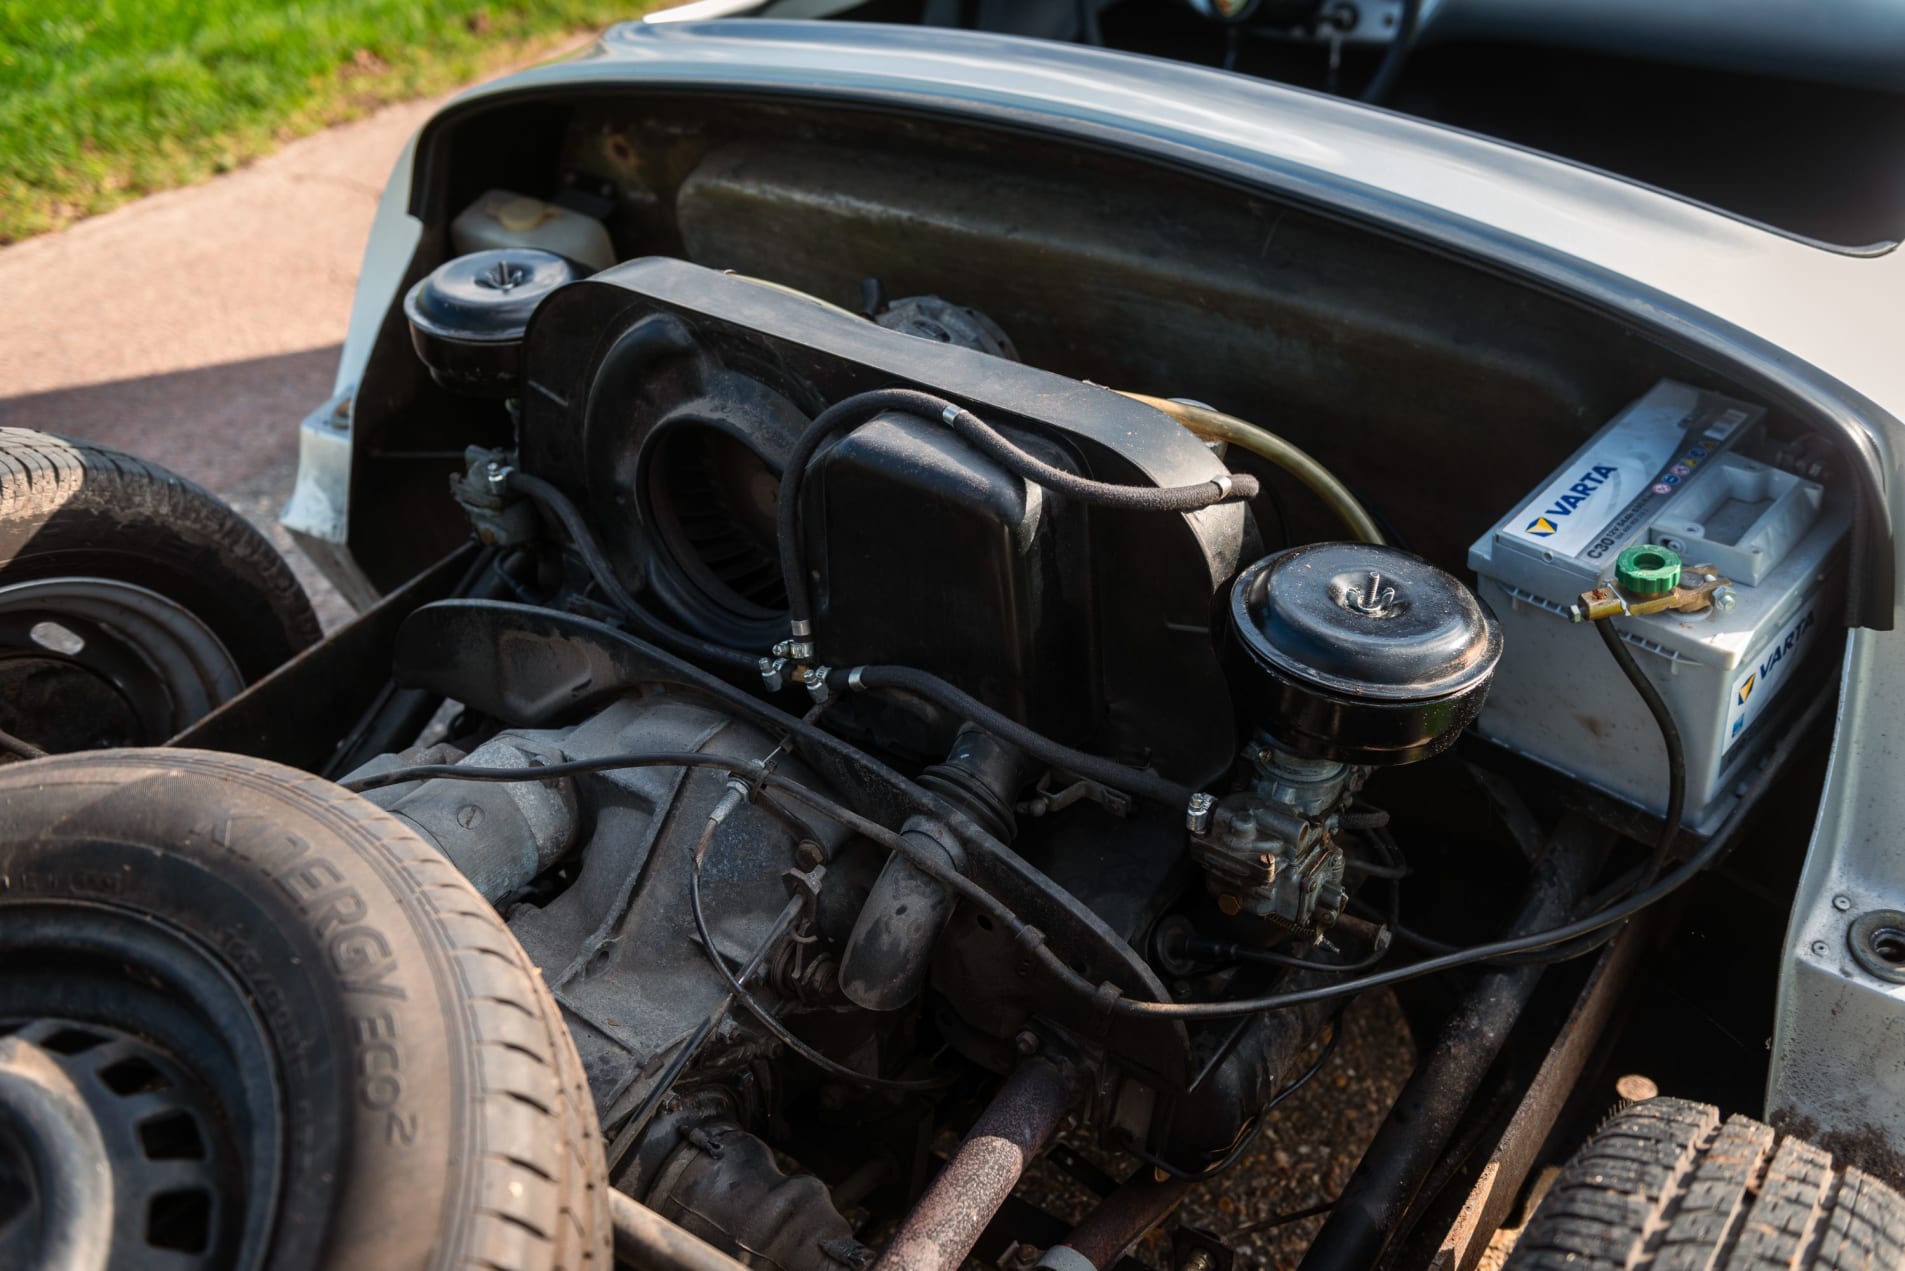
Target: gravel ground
x,y
1305,1154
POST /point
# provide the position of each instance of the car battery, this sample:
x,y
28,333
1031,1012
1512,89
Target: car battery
x,y
1681,468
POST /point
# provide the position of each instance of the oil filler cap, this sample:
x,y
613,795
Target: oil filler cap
x,y
1359,653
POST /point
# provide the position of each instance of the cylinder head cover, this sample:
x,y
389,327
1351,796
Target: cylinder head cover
x,y
1359,653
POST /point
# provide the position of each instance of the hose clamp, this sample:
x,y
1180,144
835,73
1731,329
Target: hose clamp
x,y
773,672
732,797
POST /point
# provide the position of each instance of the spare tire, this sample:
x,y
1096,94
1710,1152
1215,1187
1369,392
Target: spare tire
x,y
303,1038
1668,1185
132,602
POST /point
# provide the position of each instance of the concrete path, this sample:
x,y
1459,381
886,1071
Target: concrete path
x,y
197,327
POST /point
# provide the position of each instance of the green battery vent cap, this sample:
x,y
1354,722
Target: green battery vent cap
x,y
1647,570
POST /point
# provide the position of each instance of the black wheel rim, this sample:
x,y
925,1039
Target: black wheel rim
x,y
94,662
175,1069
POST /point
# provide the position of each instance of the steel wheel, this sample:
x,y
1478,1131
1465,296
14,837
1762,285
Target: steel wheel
x,y
94,662
138,1098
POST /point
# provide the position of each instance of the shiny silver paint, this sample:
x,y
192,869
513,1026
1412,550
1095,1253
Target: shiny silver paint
x,y
1802,327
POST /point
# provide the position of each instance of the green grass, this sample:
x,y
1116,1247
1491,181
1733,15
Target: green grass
x,y
102,101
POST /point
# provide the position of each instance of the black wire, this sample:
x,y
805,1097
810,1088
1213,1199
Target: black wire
x,y
1664,842
1669,735
1030,940
557,504
1256,1126
852,411
766,1018
19,747
547,772
1106,772
1295,1215
1216,951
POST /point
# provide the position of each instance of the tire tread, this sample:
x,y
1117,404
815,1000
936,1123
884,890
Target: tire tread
x,y
44,477
1666,1185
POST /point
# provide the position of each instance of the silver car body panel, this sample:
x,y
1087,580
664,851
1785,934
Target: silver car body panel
x,y
1801,326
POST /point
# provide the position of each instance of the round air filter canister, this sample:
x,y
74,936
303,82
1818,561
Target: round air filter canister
x,y
1362,654
468,316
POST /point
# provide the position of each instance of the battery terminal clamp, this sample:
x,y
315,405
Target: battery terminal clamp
x,y
1649,578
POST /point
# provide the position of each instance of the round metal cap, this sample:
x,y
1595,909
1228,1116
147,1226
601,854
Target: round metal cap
x,y
468,316
1359,653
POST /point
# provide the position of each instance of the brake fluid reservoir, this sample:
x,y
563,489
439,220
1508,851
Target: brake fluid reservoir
x,y
1676,468
502,218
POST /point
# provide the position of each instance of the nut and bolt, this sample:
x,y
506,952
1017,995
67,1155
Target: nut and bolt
x,y
1372,599
1724,600
1026,1043
1198,812
1198,1260
808,854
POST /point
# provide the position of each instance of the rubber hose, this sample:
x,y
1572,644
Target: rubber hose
x,y
646,624
852,411
1106,772
1215,425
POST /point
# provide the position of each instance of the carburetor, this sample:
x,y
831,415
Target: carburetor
x,y
1344,658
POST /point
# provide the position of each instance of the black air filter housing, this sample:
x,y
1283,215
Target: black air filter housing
x,y
1091,624
468,316
1359,653
928,553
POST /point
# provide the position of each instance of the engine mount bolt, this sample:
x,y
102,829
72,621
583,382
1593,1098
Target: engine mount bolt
x,y
1026,1043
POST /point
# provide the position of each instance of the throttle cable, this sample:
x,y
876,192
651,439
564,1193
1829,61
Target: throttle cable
x,y
1107,998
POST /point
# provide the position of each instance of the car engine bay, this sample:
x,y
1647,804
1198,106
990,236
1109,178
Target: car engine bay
x,y
874,729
